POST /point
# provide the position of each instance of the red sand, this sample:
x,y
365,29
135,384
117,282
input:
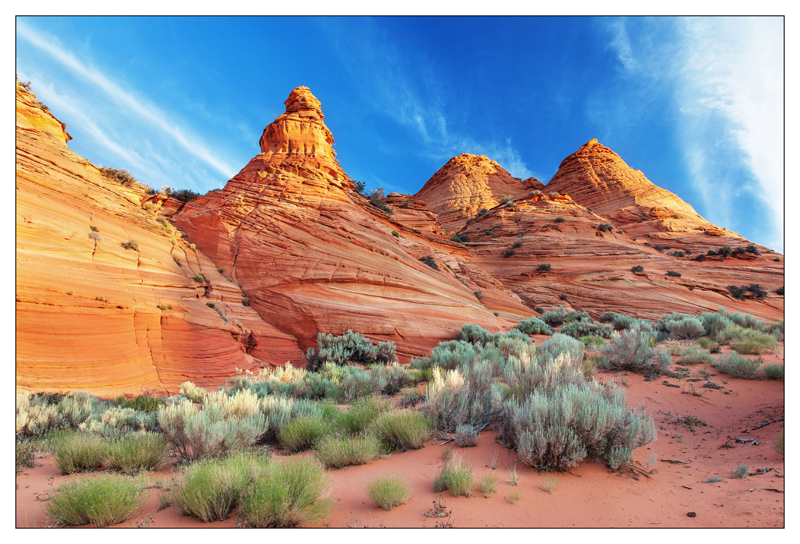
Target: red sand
x,y
587,496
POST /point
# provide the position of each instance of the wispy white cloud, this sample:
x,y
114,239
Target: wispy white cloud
x,y
412,99
726,78
132,105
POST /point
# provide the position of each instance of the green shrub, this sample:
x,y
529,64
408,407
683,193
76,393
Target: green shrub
x,y
395,234
555,428
554,318
708,344
303,433
454,476
543,267
136,452
741,471
351,347
488,484
638,268
737,366
209,489
686,327
474,334
560,219
714,480
402,429
576,329
466,436
455,398
754,343
288,494
509,253
560,343
25,453
101,501
592,341
388,491
140,403
534,325
362,412
199,278
774,372
692,355
430,261
80,452
206,433
633,350
345,451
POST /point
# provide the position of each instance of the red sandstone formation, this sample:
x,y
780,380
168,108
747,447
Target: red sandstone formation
x,y
314,256
289,235
466,184
92,315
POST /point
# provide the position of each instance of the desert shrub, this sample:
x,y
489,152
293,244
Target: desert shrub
x,y
130,244
184,195
463,397
474,334
140,403
115,422
466,436
204,433
362,412
560,343
430,261
592,341
517,244
534,325
708,343
554,318
302,433
35,416
351,347
685,327
488,484
560,219
576,329
192,392
774,372
136,452
604,227
638,268
25,450
455,476
101,501
345,451
80,452
693,355
543,267
459,238
555,428
634,350
401,429
700,258
737,366
389,379
199,278
779,290
673,274
123,177
288,494
754,343
741,471
210,489
509,253
388,491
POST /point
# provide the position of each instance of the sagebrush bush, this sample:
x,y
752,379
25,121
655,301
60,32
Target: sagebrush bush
x,y
737,366
555,429
774,372
115,422
741,471
362,412
388,491
288,494
192,392
209,489
466,436
693,355
100,501
455,476
25,453
576,329
136,452
561,343
401,429
592,341
205,433
344,451
351,347
754,343
455,398
686,327
554,318
534,325
304,432
634,350
80,452
708,343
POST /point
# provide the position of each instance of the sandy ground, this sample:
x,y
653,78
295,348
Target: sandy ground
x,y
673,493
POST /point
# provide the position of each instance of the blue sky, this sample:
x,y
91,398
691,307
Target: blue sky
x,y
695,103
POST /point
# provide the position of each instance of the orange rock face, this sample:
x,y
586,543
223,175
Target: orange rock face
x,y
468,183
313,256
95,316
288,249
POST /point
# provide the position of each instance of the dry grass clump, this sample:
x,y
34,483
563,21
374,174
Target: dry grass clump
x,y
737,366
402,430
304,432
101,501
80,452
455,476
345,451
388,491
136,452
288,494
25,453
634,350
774,372
488,483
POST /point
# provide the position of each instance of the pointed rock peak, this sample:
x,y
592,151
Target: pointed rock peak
x,y
301,100
300,136
32,114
